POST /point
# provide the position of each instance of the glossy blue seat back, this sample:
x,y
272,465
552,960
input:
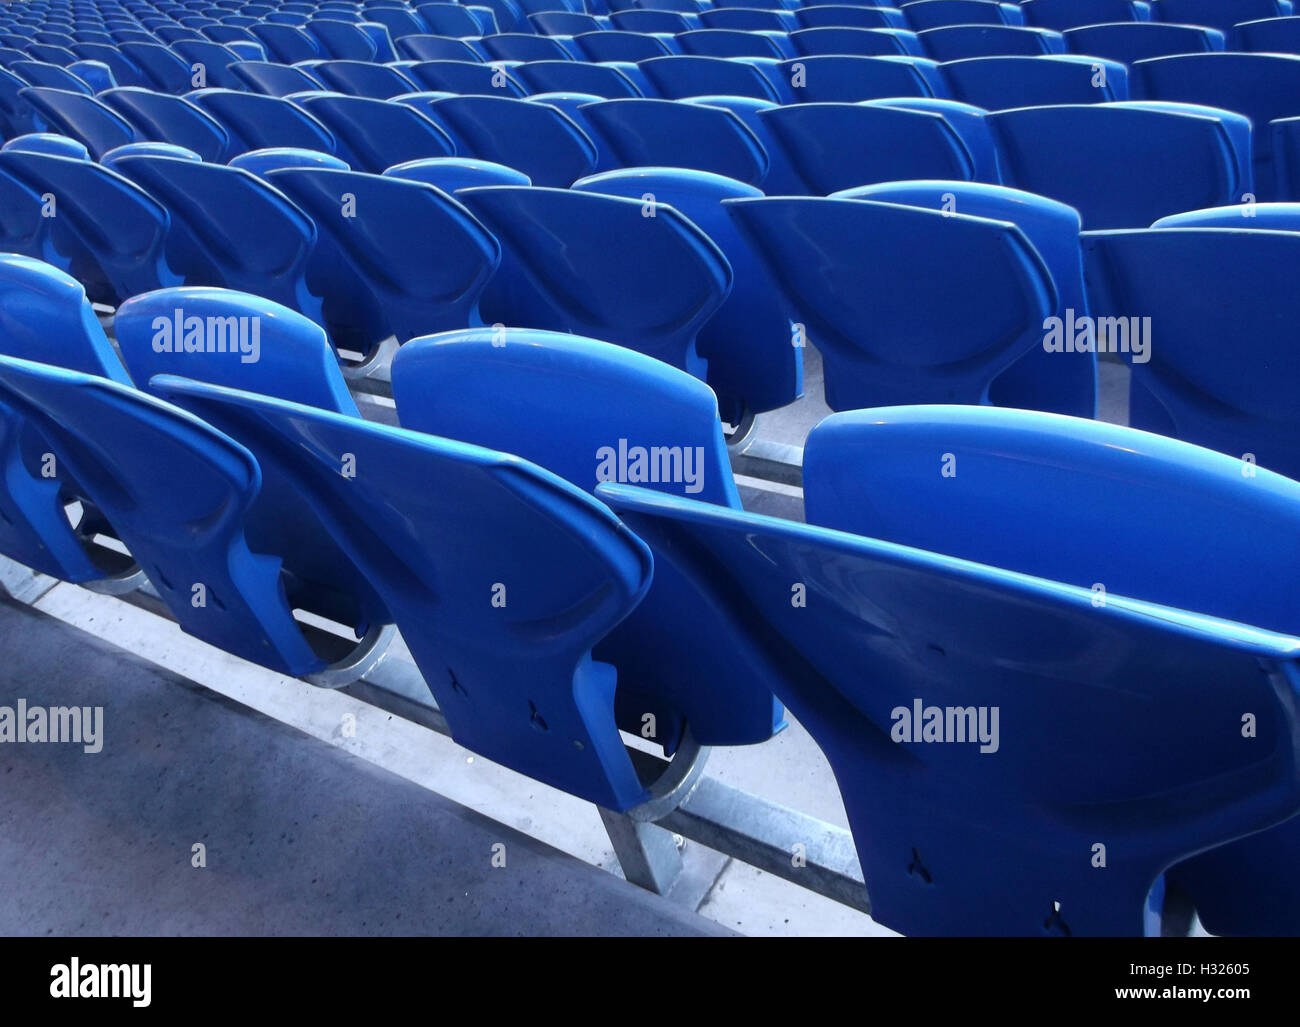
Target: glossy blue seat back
x,y
84,118
260,162
933,14
753,363
565,23
535,138
287,43
452,173
1171,161
436,48
517,46
465,78
373,135
749,19
230,229
597,266
614,45
955,42
1059,382
679,75
176,492
16,114
851,16
38,73
509,381
732,43
969,122
575,77
275,79
836,146
164,69
403,259
255,121
864,307
1217,15
953,839
516,681
855,42
171,119
125,73
214,59
362,78
1068,14
1185,388
1000,83
639,133
1268,35
1263,87
847,79
109,233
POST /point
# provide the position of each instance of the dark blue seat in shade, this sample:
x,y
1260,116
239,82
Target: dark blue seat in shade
x,y
97,75
125,73
566,23
227,34
287,43
646,22
749,19
90,122
959,41
273,158
733,43
564,382
51,54
1267,35
38,73
373,135
436,48
575,77
1123,165
16,114
854,42
109,233
850,16
229,229
397,21
517,685
1134,745
343,40
24,230
1136,41
165,70
1059,382
754,364
403,259
363,78
1221,16
161,117
970,123
214,59
293,360
464,78
1263,87
1001,83
255,121
846,79
863,306
668,133
934,14
621,46
781,178
1072,14
176,492
682,75
275,79
535,138
517,46
1286,159
834,146
452,173
451,20
598,266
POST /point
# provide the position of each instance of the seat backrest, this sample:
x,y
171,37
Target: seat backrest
x,y
597,266
275,79
514,678
287,43
814,42
465,78
362,78
1182,385
38,73
865,307
851,16
565,23
535,138
1136,41
373,135
907,637
1217,15
436,48
729,43
1267,35
969,122
652,22
836,79
450,20
341,40
639,133
273,158
125,72
1070,14
749,19
678,76
575,77
165,69
452,173
90,122
1000,83
213,59
836,146
520,46
170,119
954,42
255,121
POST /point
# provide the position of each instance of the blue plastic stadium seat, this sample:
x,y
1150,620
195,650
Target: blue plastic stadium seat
x,y
342,40
970,124
1267,35
853,42
165,70
1217,15
453,173
273,158
518,46
401,259
362,78
1125,745
864,306
82,117
97,75
1062,381
275,79
373,135
16,113
47,142
834,146
1124,165
436,48
287,43
749,19
255,121
668,133
933,14
465,78
1136,41
516,684
847,79
38,73
599,266
851,16
125,72
214,59
229,229
1263,87
733,43
163,118
563,382
1071,14
621,46
109,233
535,138
1000,83
959,41
754,363
647,22
397,20
575,77
566,23
450,20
